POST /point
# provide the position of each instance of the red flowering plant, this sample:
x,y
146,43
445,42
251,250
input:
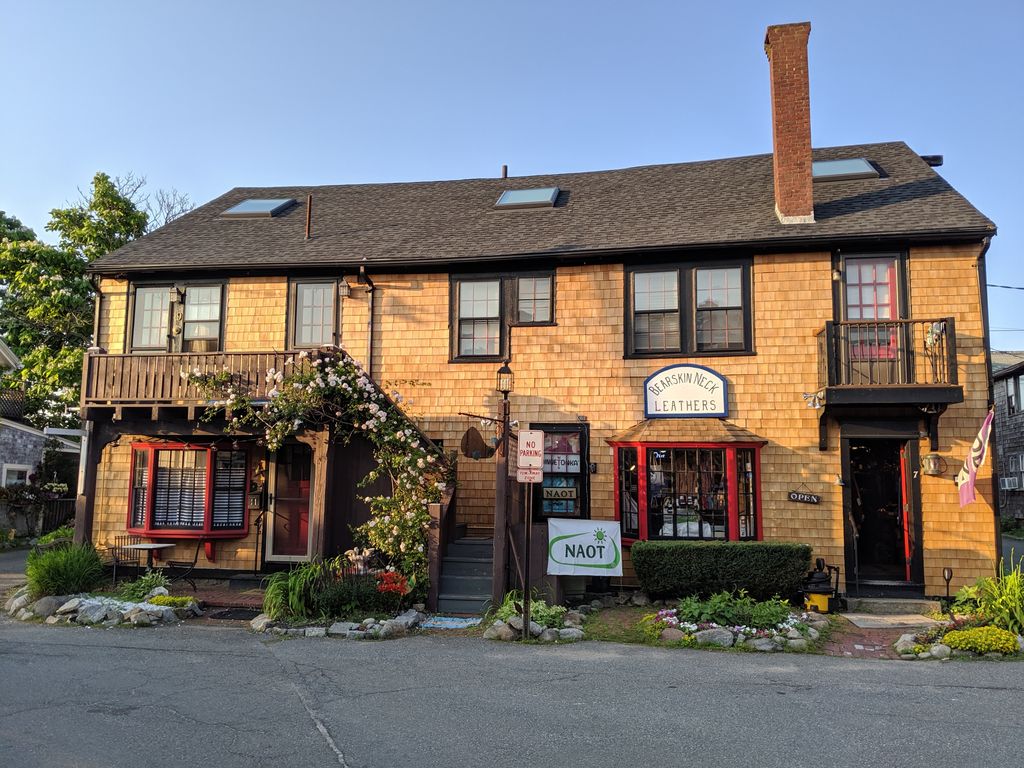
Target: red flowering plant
x,y
394,585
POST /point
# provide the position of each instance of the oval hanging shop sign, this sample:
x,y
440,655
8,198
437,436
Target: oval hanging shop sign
x,y
685,392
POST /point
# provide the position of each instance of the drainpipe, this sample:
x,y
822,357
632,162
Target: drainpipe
x,y
370,289
992,438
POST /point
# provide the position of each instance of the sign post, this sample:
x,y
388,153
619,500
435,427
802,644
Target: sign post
x,y
530,470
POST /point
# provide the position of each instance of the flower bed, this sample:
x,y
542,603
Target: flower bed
x,y
367,629
100,610
796,632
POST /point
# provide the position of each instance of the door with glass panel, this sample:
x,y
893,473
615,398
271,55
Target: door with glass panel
x,y
873,348
288,529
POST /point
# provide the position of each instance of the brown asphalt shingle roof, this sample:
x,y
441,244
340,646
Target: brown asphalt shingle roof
x,y
686,205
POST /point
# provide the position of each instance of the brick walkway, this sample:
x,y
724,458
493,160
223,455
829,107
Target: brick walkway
x,y
854,642
223,597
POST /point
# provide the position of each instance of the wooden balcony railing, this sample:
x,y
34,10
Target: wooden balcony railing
x,y
144,379
882,353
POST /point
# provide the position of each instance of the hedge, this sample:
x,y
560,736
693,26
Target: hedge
x,y
683,568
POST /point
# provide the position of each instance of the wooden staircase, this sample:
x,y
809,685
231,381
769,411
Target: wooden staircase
x,y
466,577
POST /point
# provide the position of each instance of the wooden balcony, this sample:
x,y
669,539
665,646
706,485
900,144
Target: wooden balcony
x,y
144,383
889,362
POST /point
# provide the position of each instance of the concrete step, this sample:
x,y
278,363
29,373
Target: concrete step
x,y
447,604
465,585
889,606
467,566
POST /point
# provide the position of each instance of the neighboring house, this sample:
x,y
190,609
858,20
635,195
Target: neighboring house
x,y
708,345
21,445
1008,386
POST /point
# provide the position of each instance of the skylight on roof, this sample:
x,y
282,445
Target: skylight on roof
x,y
543,197
836,170
256,207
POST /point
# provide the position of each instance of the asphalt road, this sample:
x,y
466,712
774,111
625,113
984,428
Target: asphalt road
x,y
218,696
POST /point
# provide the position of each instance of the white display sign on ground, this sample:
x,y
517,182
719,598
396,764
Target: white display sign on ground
x,y
584,547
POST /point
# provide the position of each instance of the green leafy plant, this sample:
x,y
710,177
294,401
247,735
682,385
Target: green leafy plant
x,y
63,571
540,612
982,640
728,609
681,568
134,591
999,598
64,532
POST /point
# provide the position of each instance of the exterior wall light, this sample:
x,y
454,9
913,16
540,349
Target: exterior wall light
x,y
933,464
505,380
344,289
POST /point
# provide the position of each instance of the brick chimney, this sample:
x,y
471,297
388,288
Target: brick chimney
x,y
786,47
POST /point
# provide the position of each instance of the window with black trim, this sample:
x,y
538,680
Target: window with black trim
x,y
1012,394
185,489
565,490
484,307
201,325
314,313
688,309
151,318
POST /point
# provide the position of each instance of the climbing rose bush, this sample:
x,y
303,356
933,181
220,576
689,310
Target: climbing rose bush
x,y
330,390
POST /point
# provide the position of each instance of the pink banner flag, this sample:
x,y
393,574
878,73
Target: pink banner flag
x,y
975,458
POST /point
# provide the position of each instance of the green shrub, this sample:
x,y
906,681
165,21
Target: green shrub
x,y
998,598
679,568
982,640
729,610
63,571
64,532
540,612
325,589
170,601
134,591
354,596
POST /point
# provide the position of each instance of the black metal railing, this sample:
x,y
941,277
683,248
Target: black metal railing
x,y
872,353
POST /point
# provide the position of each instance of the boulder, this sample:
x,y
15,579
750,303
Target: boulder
x,y
316,631
548,636
91,613
45,607
18,603
640,599
573,619
339,628
25,615
516,622
54,620
570,634
719,636
392,628
141,619
71,606
156,591
355,634
797,644
499,630
818,625
793,634
812,633
672,635
762,644
906,643
23,590
940,651
409,619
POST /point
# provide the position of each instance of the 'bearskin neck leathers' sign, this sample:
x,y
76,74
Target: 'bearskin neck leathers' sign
x,y
686,392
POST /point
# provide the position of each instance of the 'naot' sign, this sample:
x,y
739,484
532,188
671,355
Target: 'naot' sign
x,y
584,547
685,392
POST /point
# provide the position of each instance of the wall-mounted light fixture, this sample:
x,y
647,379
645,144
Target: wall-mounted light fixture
x,y
933,464
839,481
837,274
344,289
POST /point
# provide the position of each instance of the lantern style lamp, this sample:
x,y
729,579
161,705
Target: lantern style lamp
x,y
505,380
933,464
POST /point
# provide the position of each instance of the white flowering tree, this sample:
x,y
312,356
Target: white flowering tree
x,y
330,391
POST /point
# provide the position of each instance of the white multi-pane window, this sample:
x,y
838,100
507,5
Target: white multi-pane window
x,y
150,324
314,315
479,320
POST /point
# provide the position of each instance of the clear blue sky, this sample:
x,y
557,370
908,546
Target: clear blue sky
x,y
205,96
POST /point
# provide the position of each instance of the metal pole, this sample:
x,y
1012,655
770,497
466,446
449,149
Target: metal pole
x,y
526,564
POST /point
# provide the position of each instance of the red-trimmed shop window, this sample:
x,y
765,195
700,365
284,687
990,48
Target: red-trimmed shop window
x,y
179,491
688,491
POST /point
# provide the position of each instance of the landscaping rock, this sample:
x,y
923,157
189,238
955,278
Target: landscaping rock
x,y
368,622
141,619
906,643
340,628
608,601
908,656
762,644
419,607
316,631
794,634
54,620
740,639
156,591
91,613
1020,643
278,631
10,601
812,633
993,655
409,619
19,603
959,654
818,625
621,599
296,632
548,636
719,636
672,635
797,644
499,630
516,622
597,605
640,599
25,615
815,616
71,606
166,614
45,607
583,610
356,634
571,634
940,651
573,619
392,628
924,655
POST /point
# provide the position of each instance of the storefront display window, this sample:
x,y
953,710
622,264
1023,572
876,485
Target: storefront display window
x,y
564,491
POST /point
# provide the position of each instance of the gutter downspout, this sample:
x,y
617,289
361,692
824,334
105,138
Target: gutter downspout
x,y
986,340
370,289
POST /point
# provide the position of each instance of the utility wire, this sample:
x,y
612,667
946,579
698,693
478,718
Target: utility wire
x,y
1010,287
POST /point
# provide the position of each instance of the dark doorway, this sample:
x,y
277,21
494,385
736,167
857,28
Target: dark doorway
x,y
881,549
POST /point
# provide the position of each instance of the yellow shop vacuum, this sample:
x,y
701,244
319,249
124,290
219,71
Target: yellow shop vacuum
x,y
821,589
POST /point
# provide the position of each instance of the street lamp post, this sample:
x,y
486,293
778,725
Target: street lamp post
x,y
504,385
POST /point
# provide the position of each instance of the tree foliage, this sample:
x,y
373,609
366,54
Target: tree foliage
x,y
46,299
